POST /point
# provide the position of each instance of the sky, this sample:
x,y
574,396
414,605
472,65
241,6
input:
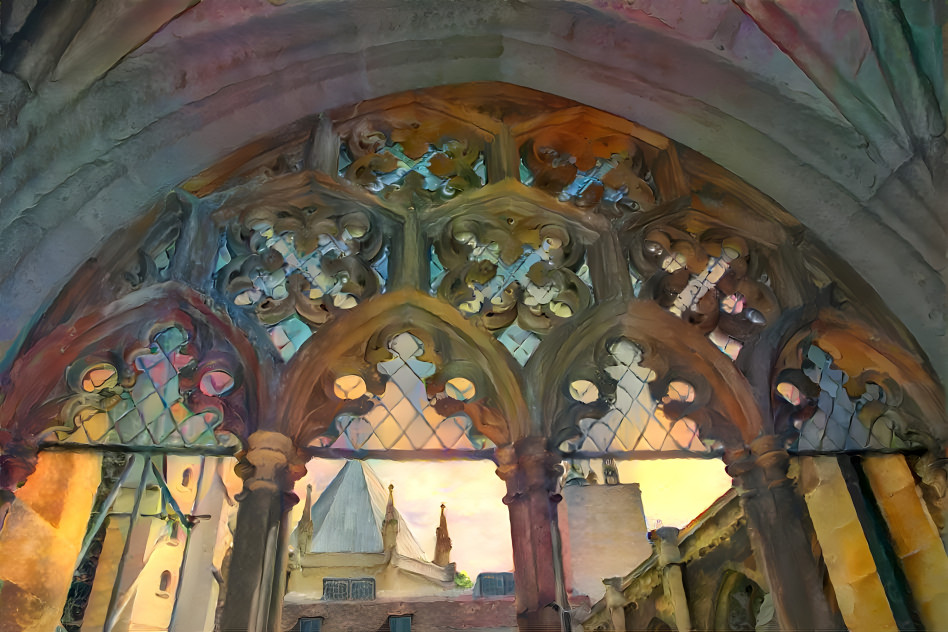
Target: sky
x,y
674,492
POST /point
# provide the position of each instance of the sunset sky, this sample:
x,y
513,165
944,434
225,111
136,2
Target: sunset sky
x,y
673,492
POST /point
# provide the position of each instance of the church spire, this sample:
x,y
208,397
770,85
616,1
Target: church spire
x,y
306,523
442,556
390,524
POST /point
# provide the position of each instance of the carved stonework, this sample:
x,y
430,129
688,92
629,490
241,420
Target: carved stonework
x,y
413,154
298,267
159,395
589,166
623,409
706,276
521,269
829,411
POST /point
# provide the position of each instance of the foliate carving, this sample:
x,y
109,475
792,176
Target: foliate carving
x,y
707,279
833,412
297,268
431,157
589,169
511,271
625,408
156,396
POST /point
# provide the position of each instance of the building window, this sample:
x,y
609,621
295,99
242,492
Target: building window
x,y
361,589
399,623
494,585
314,624
163,583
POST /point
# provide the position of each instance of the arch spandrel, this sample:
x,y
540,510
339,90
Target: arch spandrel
x,y
355,345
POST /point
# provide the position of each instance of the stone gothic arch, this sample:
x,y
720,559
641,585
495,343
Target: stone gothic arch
x,y
558,259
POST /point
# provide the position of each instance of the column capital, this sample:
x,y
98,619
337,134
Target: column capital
x,y
527,466
271,462
763,464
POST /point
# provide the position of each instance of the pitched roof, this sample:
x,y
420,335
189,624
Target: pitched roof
x,y
347,517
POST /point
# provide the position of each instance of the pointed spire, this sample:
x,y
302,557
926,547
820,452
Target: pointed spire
x,y
305,529
442,556
390,524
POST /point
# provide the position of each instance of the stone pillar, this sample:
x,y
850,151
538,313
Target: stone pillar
x,y
915,539
665,541
849,562
531,473
253,600
774,514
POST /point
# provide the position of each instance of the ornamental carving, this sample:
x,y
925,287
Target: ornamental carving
x,y
413,410
589,166
521,271
707,276
415,152
621,406
830,411
296,268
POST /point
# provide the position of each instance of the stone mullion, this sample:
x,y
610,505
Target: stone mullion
x,y
408,263
322,147
914,537
253,599
503,159
531,473
609,268
774,512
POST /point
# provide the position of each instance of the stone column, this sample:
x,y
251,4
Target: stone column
x,y
775,515
849,562
915,539
531,473
253,600
665,541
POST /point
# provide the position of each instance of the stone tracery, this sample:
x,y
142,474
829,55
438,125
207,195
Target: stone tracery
x,y
516,338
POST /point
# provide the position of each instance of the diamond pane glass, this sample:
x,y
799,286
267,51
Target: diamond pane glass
x,y
403,418
839,423
635,421
151,412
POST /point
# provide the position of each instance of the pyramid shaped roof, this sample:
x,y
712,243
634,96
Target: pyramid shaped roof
x,y
347,516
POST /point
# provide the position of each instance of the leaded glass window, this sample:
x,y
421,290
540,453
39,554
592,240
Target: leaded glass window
x,y
634,420
841,422
146,408
404,418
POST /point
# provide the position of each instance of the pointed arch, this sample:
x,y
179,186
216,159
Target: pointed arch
x,y
354,345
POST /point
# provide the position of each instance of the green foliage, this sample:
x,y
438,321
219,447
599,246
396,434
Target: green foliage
x,y
461,580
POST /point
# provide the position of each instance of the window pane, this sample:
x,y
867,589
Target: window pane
x,y
363,589
336,589
399,624
311,625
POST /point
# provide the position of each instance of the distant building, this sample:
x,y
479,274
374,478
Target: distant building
x,y
354,562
